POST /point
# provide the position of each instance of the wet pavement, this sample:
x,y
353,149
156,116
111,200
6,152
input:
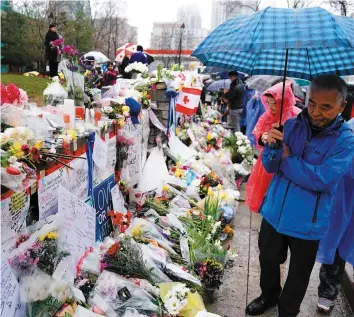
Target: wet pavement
x,y
241,281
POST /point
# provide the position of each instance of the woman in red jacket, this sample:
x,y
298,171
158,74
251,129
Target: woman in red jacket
x,y
110,75
259,180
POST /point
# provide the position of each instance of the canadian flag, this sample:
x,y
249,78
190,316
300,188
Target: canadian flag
x,y
188,100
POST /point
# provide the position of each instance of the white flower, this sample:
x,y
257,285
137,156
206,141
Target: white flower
x,y
195,213
108,109
215,227
12,159
3,138
239,142
208,238
209,218
242,150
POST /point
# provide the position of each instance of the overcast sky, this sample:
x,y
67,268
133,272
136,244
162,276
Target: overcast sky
x,y
143,13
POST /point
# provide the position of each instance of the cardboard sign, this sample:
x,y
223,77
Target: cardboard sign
x,y
13,219
132,170
77,223
102,174
100,152
118,200
10,293
79,178
48,190
102,202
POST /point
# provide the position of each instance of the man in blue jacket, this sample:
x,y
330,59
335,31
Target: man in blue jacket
x,y
317,149
138,56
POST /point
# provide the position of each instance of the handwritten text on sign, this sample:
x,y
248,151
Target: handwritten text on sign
x,y
10,293
100,153
78,221
48,192
13,218
102,201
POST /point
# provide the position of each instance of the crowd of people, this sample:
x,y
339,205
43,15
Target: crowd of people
x,y
302,182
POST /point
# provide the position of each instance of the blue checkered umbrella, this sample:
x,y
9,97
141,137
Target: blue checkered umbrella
x,y
317,42
300,43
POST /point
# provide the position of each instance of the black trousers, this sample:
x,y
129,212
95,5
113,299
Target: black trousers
x,y
273,248
330,276
53,68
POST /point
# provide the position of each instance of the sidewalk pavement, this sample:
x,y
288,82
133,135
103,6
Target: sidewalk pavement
x,y
241,282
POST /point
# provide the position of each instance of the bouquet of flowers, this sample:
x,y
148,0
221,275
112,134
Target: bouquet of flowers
x,y
240,148
137,67
126,258
207,181
145,100
13,95
179,300
44,254
210,272
58,44
182,134
43,295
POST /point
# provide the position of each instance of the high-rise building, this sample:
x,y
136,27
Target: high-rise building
x,y
67,10
190,16
222,10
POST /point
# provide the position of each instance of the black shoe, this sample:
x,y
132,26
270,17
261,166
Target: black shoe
x,y
259,305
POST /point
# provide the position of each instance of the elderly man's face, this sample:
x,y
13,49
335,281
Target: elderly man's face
x,y
324,106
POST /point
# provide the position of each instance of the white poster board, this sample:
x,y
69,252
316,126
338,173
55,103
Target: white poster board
x,y
77,223
10,293
118,200
48,191
13,219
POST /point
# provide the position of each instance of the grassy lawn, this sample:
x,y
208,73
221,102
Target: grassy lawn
x,y
34,86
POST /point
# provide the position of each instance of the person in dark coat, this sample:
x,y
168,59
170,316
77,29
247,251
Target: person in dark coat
x,y
122,66
51,52
234,98
110,75
139,56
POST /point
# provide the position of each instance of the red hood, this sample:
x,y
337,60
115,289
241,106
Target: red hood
x,y
276,92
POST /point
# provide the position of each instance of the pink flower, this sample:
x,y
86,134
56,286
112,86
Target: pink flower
x,y
35,261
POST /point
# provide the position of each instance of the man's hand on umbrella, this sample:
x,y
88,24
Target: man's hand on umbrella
x,y
274,134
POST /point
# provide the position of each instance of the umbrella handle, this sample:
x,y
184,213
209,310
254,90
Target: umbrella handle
x,y
284,80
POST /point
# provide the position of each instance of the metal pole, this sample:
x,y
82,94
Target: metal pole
x,y
284,80
180,49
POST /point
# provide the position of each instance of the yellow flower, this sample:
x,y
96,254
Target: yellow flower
x,y
165,188
61,75
121,123
216,121
179,172
136,231
178,163
125,108
145,93
219,187
15,149
209,137
210,192
223,196
52,235
38,145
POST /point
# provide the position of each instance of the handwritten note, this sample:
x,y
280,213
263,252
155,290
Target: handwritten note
x,y
13,219
10,293
102,174
132,169
48,192
79,179
100,152
77,223
83,312
118,200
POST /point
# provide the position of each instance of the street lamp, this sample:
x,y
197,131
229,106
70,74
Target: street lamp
x,y
180,43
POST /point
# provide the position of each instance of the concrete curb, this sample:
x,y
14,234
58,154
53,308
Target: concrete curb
x,y
348,285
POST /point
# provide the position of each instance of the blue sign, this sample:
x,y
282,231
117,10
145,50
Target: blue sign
x,y
102,202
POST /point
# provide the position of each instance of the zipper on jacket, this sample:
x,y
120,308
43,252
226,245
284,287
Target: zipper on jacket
x,y
305,147
282,205
314,218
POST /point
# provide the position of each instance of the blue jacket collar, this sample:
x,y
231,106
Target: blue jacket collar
x,y
333,128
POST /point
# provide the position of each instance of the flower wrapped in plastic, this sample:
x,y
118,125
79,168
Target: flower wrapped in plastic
x,y
54,94
42,294
113,294
180,301
44,253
